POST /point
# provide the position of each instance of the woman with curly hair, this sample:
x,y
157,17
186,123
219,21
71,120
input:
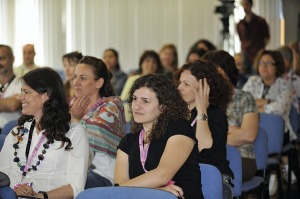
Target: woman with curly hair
x,y
102,114
45,156
161,152
207,94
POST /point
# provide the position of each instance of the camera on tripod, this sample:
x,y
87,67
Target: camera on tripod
x,y
226,9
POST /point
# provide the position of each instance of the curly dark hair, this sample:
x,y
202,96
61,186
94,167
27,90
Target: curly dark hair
x,y
56,117
226,62
220,89
276,56
173,106
100,71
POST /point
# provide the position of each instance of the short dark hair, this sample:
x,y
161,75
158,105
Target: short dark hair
x,y
116,54
9,50
198,51
151,54
206,42
74,56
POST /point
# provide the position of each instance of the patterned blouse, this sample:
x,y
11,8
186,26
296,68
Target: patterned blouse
x,y
280,96
105,125
242,102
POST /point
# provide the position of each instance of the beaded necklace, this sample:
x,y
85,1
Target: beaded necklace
x,y
26,168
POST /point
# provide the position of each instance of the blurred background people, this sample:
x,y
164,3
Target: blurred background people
x,y
240,65
203,44
254,34
195,54
70,61
169,59
9,87
111,59
28,61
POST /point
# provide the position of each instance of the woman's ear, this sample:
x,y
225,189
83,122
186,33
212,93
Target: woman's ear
x,y
100,83
45,97
161,108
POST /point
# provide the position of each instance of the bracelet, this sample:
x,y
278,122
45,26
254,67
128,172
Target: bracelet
x,y
116,185
44,194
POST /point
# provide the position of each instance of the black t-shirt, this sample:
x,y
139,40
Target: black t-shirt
x,y
188,176
218,125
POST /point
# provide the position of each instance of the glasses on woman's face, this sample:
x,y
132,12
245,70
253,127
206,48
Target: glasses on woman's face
x,y
266,63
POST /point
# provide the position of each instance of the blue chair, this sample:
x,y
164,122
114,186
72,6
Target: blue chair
x,y
211,180
274,126
9,126
7,193
257,183
235,164
125,193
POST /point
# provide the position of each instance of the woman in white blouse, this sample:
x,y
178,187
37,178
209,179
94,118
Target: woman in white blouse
x,y
272,93
45,156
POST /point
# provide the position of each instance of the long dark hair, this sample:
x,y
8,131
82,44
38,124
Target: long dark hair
x,y
56,117
100,71
173,106
116,54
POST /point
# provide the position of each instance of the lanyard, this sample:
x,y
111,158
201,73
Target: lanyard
x,y
143,149
193,122
29,139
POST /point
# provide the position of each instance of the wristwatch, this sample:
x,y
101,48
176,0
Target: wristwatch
x,y
202,117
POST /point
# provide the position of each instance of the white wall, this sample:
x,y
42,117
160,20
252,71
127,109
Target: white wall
x,y
130,26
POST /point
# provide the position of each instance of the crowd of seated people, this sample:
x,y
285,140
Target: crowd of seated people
x,y
180,116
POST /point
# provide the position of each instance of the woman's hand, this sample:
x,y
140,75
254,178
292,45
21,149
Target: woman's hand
x,y
202,96
24,190
79,107
174,189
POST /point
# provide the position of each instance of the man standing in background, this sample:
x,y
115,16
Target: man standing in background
x,y
28,61
254,34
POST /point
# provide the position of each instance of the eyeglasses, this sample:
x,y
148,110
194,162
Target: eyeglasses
x,y
267,63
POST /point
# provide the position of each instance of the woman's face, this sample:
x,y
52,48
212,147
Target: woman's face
x,y
84,81
267,68
167,58
149,66
110,60
32,101
145,107
187,83
69,68
193,57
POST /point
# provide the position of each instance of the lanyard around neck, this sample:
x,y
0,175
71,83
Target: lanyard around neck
x,y
143,149
29,139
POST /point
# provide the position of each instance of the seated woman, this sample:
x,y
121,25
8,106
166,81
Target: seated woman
x,y
102,114
242,114
162,150
169,59
45,156
70,61
111,59
207,94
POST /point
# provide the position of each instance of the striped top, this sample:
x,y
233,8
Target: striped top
x,y
105,125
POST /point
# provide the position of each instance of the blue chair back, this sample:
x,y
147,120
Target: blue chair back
x,y
125,193
9,126
261,149
274,127
7,193
293,116
211,180
235,164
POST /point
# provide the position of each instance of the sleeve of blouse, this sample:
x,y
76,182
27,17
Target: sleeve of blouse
x,y
77,164
124,144
5,152
249,103
282,102
181,127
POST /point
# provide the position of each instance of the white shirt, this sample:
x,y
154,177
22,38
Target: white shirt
x,y
14,88
59,167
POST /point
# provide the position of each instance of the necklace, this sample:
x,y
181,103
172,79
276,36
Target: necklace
x,y
29,166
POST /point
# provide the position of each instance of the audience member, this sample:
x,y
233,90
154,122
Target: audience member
x,y
149,64
294,45
203,44
195,54
9,88
102,114
239,62
28,61
241,114
45,156
70,61
169,59
162,150
254,34
111,59
273,95
207,94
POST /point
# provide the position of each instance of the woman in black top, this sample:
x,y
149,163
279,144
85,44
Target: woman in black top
x,y
207,94
162,150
